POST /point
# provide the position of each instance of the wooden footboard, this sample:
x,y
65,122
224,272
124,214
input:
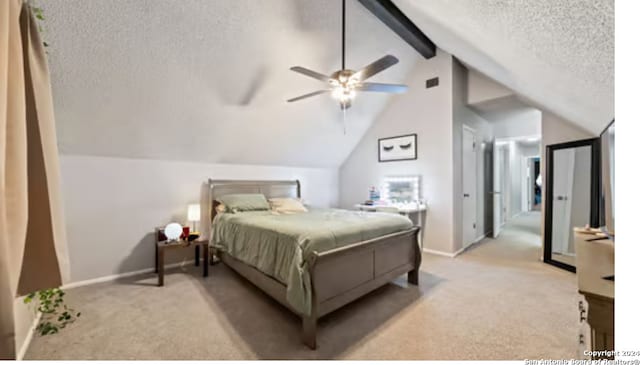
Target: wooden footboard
x,y
345,274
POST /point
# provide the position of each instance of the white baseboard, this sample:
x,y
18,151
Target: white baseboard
x,y
107,278
454,254
479,239
442,253
27,340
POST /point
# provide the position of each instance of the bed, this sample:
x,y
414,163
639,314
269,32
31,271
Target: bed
x,y
312,263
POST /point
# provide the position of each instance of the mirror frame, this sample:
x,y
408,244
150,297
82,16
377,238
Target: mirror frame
x,y
607,219
594,215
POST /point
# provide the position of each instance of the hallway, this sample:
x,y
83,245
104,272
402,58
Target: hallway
x,y
520,239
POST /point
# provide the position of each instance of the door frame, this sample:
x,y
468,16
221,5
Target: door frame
x,y
594,143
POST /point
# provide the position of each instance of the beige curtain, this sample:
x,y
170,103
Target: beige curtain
x,y
32,238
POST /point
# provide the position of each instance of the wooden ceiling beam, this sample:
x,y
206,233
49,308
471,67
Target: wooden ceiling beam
x,y
394,18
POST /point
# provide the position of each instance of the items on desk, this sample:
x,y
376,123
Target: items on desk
x,y
374,194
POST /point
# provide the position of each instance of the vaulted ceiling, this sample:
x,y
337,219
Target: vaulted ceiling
x,y
207,80
558,55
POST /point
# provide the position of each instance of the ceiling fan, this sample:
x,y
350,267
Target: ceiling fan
x,y
344,83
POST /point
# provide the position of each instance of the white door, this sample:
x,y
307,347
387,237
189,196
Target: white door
x,y
527,184
469,186
531,184
563,171
496,192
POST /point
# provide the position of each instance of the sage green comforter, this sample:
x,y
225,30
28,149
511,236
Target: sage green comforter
x,y
279,245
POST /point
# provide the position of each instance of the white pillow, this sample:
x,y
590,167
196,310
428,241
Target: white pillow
x,y
287,205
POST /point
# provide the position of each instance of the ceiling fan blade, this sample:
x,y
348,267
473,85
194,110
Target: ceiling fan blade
x,y
376,67
310,73
385,88
308,95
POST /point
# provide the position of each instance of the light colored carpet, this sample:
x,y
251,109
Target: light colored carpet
x,y
495,301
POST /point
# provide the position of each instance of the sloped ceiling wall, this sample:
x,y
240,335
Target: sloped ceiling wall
x,y
558,54
203,80
207,80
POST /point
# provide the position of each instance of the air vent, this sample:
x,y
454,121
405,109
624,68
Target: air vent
x,y
433,82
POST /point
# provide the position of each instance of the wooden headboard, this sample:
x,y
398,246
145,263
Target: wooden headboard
x,y
270,189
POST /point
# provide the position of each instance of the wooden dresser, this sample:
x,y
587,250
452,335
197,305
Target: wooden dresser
x,y
594,262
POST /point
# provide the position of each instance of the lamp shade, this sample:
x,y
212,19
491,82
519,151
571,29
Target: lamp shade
x,y
193,212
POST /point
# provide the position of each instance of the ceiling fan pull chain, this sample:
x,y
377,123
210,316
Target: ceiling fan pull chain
x,y
344,121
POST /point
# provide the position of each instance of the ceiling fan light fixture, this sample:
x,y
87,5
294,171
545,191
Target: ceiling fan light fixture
x,y
344,82
343,94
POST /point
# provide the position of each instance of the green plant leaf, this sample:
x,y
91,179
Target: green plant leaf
x,y
56,315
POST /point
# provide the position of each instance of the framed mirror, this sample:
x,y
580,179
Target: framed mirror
x,y
401,189
572,197
607,167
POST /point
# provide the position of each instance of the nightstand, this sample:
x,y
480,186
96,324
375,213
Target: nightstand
x,y
162,246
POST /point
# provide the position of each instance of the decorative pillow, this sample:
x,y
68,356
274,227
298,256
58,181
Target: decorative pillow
x,y
287,205
244,202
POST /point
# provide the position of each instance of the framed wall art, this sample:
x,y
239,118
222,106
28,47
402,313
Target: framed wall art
x,y
398,148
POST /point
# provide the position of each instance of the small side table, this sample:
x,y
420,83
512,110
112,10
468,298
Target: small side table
x,y
162,246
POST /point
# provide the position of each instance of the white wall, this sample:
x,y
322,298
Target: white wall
x,y
112,205
482,88
530,151
463,115
428,113
517,123
558,130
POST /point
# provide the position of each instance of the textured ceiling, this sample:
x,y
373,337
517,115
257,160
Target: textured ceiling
x,y
557,54
202,80
207,80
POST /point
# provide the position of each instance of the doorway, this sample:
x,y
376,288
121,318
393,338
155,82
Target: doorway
x,y
532,197
516,182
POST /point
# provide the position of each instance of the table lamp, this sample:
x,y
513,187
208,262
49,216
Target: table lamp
x,y
193,214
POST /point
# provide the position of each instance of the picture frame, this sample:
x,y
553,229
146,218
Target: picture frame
x,y
398,148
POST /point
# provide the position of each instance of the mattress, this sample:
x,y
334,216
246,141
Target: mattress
x,y
279,245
